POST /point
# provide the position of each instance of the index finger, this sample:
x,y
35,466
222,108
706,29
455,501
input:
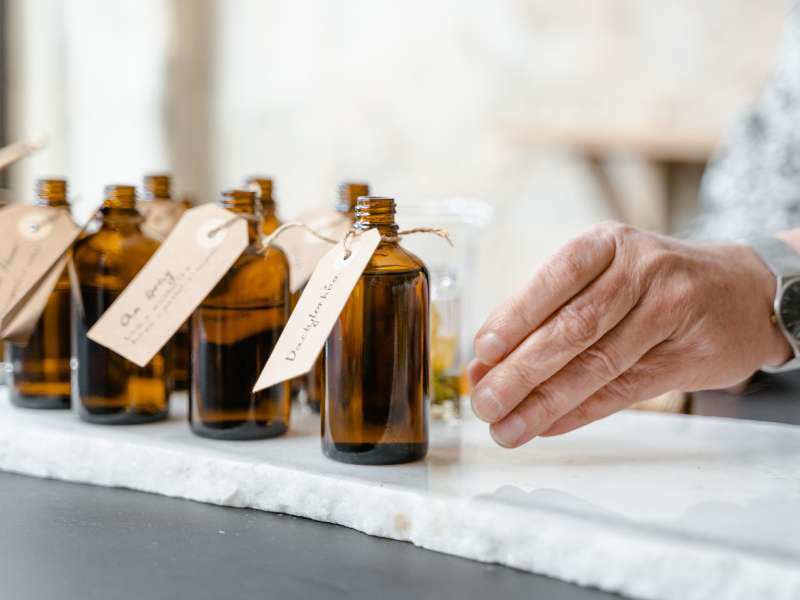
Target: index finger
x,y
561,277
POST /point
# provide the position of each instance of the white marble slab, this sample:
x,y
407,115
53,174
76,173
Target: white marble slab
x,y
649,505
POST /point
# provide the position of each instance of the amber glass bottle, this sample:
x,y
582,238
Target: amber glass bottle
x,y
376,358
315,380
106,387
233,333
162,212
40,375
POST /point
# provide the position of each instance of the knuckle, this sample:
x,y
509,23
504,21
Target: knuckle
x,y
602,362
577,325
621,230
520,307
615,231
664,261
523,372
675,299
584,412
606,226
608,233
547,405
684,290
564,269
623,387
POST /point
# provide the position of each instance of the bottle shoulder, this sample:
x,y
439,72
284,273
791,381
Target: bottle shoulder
x,y
112,257
110,242
269,224
393,258
255,279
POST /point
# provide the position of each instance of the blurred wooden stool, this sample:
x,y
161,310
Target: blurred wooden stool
x,y
674,402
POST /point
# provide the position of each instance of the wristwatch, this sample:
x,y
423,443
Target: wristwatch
x,y
784,263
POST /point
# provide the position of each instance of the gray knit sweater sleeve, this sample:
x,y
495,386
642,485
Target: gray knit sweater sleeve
x,y
752,186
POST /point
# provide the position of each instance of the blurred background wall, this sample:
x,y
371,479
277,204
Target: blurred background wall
x,y
558,114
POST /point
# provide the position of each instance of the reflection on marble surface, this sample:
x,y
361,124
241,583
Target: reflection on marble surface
x,y
715,500
734,482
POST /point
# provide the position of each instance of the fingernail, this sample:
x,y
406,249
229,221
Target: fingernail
x,y
486,405
489,348
509,431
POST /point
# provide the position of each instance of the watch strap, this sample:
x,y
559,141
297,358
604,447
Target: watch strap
x,y
779,256
784,262
791,365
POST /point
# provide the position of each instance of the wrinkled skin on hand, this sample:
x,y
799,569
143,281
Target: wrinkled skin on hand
x,y
616,316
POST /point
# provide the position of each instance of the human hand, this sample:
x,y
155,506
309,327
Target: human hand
x,y
616,316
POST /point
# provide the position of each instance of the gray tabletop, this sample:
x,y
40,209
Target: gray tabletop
x,y
64,540
73,541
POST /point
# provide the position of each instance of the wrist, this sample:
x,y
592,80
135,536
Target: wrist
x,y
777,349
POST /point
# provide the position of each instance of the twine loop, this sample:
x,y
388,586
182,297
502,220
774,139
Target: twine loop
x,y
269,240
229,222
353,233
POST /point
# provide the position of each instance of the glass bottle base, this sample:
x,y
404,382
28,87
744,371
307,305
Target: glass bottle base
x,y
127,417
374,454
41,402
238,430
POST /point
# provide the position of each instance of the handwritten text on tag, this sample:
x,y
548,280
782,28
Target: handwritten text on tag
x,y
189,263
317,309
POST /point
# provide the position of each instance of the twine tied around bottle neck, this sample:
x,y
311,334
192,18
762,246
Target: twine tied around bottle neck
x,y
354,233
224,225
268,241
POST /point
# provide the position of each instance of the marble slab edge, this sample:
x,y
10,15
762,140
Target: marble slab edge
x,y
630,560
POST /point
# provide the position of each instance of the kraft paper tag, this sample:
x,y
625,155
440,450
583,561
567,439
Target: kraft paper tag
x,y
18,324
304,250
173,283
317,310
32,240
160,216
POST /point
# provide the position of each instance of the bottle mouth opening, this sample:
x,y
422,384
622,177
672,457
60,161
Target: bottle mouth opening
x,y
372,205
375,211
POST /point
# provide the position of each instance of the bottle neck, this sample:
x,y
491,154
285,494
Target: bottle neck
x,y
52,193
268,210
262,186
119,208
157,187
373,212
245,204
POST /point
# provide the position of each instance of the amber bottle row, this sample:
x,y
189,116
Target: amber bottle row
x,y
370,383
